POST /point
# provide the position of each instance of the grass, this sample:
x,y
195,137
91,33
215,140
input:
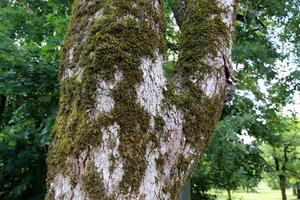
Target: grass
x,y
260,195
262,192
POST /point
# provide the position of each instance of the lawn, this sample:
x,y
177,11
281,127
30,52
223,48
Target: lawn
x,y
261,195
262,192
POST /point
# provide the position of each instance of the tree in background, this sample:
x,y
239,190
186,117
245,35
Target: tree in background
x,y
31,34
229,163
284,154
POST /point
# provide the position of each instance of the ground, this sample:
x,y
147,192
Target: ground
x,y
265,195
262,192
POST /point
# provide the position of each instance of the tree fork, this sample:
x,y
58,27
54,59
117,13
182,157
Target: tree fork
x,y
123,131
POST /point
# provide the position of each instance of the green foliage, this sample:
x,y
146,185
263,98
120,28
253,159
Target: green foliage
x,y
229,163
283,155
31,34
172,32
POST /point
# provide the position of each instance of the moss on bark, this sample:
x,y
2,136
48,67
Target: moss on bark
x,y
106,36
110,36
93,185
203,32
203,36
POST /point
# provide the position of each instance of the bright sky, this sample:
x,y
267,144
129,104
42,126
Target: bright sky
x,y
293,107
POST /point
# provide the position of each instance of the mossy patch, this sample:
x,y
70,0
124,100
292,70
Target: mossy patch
x,y
202,30
93,185
160,162
49,196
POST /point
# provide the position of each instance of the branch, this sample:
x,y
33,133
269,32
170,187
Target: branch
x,y
295,173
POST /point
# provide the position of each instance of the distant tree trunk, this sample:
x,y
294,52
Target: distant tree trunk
x,y
282,186
298,191
123,131
229,194
282,179
2,105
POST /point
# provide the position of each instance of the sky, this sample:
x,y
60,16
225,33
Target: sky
x,y
295,107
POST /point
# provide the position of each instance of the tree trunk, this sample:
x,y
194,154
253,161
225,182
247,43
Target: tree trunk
x,y
282,176
282,181
229,194
2,106
123,131
282,186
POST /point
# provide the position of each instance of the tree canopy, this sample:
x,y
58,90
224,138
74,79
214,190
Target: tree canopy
x,y
31,35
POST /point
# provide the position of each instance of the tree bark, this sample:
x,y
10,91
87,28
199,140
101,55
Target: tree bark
x,y
229,194
281,177
282,186
123,131
2,106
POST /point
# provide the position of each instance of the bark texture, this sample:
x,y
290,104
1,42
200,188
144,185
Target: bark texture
x,y
123,131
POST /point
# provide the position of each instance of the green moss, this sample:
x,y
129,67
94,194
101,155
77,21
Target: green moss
x,y
49,196
92,184
174,189
159,124
134,136
112,162
119,40
183,163
200,36
160,162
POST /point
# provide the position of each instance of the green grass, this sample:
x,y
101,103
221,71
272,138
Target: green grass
x,y
261,195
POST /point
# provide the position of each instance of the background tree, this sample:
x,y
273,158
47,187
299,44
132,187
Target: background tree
x,y
229,163
283,155
31,34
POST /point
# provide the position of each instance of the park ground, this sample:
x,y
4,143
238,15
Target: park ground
x,y
261,193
